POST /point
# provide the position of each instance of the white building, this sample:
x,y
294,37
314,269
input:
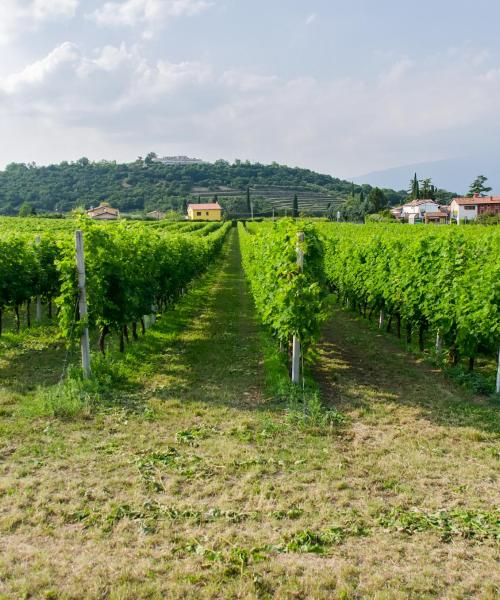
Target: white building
x,y
178,160
415,210
463,210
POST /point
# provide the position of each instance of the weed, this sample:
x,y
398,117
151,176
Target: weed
x,y
318,542
475,381
191,436
309,413
469,524
291,513
68,399
234,559
153,466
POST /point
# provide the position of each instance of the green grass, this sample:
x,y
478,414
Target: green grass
x,y
188,468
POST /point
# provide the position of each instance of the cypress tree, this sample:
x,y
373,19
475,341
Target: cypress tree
x,y
249,206
295,209
414,188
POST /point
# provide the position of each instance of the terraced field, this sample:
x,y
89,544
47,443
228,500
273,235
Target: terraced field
x,y
312,201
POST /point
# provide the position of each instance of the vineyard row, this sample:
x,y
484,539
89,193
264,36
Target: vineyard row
x,y
440,280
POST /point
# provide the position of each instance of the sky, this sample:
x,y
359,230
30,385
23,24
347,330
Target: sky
x,y
343,87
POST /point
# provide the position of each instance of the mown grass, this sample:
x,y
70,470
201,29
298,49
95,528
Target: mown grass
x,y
195,472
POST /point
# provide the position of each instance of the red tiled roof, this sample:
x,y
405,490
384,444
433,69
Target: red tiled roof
x,y
478,200
213,206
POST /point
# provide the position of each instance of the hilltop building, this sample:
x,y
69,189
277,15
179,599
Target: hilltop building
x,y
178,160
205,212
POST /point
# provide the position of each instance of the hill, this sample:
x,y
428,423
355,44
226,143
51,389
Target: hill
x,y
147,185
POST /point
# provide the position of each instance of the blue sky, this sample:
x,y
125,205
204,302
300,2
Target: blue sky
x,y
343,87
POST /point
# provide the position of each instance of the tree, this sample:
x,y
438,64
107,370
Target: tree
x,y
249,205
26,210
352,210
427,190
150,157
295,208
376,201
478,186
414,189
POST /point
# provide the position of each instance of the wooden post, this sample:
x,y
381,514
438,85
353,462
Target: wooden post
x,y
381,319
82,303
296,341
439,342
498,374
273,213
38,313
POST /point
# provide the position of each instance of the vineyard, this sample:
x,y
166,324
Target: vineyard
x,y
134,271
290,409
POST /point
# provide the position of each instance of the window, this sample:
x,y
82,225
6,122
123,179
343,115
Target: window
x,y
470,207
207,213
198,214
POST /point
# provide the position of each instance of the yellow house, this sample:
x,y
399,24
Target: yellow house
x,y
205,212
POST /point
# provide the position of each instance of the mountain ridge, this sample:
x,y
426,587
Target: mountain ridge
x,y
455,174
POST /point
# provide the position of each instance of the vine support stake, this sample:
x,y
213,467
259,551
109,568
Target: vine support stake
x,y
296,351
82,303
439,342
381,319
498,374
38,312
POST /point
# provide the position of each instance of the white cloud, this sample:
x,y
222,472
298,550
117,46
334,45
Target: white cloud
x,y
151,13
40,72
17,16
341,126
397,71
311,18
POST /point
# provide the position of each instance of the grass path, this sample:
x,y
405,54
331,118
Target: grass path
x,y
190,483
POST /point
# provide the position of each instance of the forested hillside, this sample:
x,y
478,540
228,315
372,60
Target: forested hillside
x,y
147,185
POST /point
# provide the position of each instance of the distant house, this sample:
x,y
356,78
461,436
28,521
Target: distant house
x,y
104,212
396,212
440,217
415,211
205,212
156,214
463,210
